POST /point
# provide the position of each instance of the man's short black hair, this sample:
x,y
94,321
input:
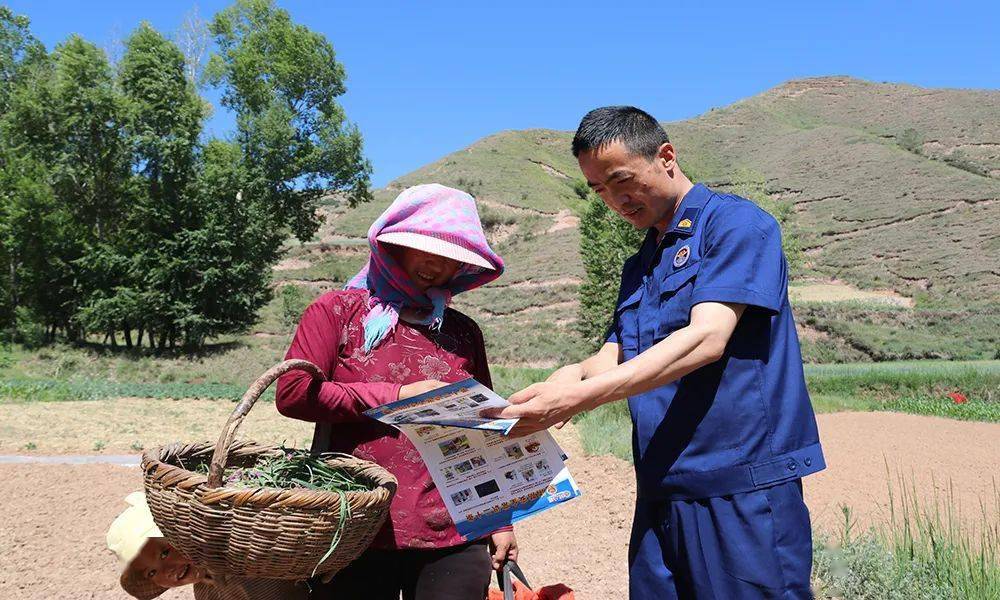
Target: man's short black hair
x,y
634,127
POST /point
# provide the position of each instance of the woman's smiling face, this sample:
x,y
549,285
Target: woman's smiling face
x,y
166,567
424,269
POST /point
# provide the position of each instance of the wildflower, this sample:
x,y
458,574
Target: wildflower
x,y
958,398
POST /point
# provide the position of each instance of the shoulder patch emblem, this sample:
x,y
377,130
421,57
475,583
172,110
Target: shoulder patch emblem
x,y
684,224
681,258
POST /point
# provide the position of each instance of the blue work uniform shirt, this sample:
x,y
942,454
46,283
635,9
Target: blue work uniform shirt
x,y
744,422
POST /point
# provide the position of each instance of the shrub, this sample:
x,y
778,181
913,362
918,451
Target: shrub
x,y
911,141
293,304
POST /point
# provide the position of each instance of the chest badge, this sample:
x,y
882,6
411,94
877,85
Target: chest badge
x,y
684,224
682,256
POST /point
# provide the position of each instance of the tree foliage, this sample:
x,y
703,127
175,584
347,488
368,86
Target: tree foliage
x,y
119,217
606,240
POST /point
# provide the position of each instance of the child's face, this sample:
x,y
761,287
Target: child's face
x,y
165,566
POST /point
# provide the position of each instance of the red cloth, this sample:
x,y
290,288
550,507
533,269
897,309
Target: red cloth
x,y
330,336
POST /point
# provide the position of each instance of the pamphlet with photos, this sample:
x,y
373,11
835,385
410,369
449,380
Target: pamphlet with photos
x,y
487,479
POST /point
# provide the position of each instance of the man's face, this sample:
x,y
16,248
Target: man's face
x,y
633,186
165,566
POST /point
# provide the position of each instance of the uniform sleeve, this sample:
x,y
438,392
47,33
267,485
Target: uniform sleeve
x,y
625,288
612,336
742,261
299,396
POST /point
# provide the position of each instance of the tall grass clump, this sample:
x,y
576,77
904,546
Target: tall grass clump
x,y
507,380
925,551
606,430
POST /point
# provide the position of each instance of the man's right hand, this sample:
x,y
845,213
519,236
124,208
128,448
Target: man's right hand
x,y
606,359
415,389
569,374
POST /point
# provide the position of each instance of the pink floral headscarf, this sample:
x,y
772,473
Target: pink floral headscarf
x,y
431,210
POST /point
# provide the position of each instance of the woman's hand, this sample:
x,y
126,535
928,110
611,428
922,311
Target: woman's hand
x,y
415,389
503,547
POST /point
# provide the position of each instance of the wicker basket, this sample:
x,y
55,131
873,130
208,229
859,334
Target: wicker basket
x,y
261,532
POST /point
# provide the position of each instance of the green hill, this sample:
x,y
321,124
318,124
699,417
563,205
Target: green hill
x,y
894,190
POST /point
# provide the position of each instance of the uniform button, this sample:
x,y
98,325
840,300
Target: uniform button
x,y
808,461
791,465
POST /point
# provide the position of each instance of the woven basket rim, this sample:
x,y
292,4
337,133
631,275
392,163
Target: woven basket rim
x,y
382,481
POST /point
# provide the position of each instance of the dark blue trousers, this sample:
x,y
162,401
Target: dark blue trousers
x,y
752,545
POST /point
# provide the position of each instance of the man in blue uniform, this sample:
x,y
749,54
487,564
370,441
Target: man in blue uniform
x,y
703,345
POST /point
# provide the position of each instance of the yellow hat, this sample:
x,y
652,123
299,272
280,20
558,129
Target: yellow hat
x,y
126,537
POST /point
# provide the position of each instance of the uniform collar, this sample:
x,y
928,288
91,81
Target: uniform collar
x,y
685,220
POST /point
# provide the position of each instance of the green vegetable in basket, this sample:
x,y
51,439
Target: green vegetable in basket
x,y
297,469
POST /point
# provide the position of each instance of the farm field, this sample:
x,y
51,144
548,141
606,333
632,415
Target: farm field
x,y
54,536
873,457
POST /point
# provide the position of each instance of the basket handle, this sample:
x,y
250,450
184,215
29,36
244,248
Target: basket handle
x,y
221,454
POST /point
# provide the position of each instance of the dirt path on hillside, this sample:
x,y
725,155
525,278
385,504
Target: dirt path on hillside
x,y
55,516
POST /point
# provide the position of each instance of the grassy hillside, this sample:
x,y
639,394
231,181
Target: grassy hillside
x,y
893,186
894,190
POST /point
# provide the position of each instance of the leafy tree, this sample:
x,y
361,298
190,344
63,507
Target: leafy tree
x,y
606,240
36,235
65,167
141,269
18,50
17,46
293,304
89,173
117,217
282,81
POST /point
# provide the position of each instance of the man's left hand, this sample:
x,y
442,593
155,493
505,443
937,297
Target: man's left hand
x,y
540,406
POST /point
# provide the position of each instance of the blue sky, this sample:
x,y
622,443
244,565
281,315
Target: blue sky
x,y
426,79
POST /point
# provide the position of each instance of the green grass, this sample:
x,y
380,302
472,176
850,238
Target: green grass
x,y
540,257
95,372
535,339
48,390
508,301
606,430
917,387
924,551
867,332
65,373
507,380
330,266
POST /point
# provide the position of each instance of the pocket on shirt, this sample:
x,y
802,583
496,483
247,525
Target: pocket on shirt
x,y
626,320
675,300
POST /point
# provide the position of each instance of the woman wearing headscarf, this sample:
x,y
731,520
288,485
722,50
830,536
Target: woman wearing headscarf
x,y
390,334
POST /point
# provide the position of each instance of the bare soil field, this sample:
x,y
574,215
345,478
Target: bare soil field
x,y
55,516
126,425
839,291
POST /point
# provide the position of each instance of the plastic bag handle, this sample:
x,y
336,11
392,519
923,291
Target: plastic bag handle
x,y
504,579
